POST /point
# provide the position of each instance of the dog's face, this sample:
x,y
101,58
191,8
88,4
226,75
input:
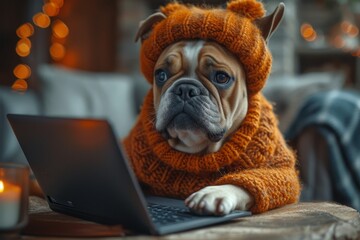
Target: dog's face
x,y
200,95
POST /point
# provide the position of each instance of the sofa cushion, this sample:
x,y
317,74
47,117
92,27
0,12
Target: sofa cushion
x,y
74,93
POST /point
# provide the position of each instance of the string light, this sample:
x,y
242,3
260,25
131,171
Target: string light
x,y
60,31
51,9
41,20
22,71
20,85
24,31
308,32
346,28
58,3
23,47
349,29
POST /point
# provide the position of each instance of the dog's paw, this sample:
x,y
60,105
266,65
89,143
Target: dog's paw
x,y
219,200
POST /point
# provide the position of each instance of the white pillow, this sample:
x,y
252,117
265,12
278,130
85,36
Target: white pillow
x,y
74,93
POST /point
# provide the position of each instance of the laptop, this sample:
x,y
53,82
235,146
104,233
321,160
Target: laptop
x,y
84,172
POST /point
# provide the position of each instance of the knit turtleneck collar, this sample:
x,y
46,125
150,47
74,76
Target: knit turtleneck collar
x,y
235,149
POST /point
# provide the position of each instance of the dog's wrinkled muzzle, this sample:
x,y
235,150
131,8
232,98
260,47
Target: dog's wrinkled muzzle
x,y
188,105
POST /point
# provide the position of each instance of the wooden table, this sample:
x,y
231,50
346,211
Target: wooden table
x,y
321,220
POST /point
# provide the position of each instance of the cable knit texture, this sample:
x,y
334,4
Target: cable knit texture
x,y
233,28
255,157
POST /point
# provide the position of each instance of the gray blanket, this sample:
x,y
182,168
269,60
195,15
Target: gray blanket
x,y
336,116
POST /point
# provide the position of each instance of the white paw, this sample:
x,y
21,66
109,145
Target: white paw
x,y
219,200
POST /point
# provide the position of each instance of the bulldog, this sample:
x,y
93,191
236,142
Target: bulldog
x,y
199,101
200,98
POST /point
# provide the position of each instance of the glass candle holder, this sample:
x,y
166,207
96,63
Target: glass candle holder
x,y
14,191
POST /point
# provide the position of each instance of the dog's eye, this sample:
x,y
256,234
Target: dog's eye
x,y
222,77
161,76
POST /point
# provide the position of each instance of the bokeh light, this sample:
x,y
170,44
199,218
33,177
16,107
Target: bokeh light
x,y
354,31
51,9
349,28
20,85
58,3
60,30
24,31
23,47
308,32
345,26
57,51
22,71
41,20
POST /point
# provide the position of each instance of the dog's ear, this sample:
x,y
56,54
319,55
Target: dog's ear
x,y
145,26
269,24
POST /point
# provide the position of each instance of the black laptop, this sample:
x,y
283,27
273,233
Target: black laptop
x,y
84,172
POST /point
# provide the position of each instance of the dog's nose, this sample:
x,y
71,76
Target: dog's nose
x,y
187,91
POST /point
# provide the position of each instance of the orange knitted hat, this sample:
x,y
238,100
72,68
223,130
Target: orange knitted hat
x,y
233,27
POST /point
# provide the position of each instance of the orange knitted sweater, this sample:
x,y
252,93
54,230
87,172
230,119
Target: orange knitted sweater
x,y
255,157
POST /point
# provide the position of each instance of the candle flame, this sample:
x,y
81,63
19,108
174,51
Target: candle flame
x,y
1,186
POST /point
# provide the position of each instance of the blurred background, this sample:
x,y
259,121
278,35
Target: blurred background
x,y
78,58
98,35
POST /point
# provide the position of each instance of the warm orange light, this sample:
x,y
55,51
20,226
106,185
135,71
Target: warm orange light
x,y
23,47
58,3
57,51
25,42
312,37
22,71
1,186
20,85
51,9
354,31
345,26
25,30
60,30
41,20
55,39
308,32
349,28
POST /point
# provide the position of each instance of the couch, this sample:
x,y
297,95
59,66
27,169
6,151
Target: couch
x,y
71,93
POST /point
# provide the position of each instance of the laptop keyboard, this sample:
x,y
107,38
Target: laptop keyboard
x,y
163,215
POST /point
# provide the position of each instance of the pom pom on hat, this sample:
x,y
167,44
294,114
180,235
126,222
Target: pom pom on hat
x,y
251,9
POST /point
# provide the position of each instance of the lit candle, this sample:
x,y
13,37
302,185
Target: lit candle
x,y
9,205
